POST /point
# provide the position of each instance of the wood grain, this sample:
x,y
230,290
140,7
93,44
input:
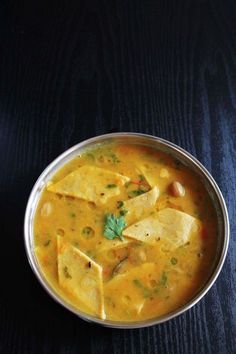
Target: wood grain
x,y
70,70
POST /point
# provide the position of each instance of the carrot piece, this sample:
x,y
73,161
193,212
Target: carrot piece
x,y
139,183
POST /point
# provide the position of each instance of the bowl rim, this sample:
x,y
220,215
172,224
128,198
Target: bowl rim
x,y
28,232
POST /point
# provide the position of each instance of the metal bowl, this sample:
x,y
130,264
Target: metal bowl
x,y
159,144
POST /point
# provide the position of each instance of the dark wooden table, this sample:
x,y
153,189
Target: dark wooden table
x,y
71,70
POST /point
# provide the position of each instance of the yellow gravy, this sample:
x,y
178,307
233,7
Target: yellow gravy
x,y
140,280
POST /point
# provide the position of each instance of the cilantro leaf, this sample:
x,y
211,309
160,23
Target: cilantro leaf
x,y
123,212
163,279
114,226
146,292
136,192
111,185
120,204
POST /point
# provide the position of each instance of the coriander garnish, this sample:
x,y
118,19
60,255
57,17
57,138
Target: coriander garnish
x,y
114,226
111,185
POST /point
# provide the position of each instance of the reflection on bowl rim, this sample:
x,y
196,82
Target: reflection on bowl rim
x,y
137,138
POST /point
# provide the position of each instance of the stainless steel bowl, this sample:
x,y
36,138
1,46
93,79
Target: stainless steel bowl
x,y
159,144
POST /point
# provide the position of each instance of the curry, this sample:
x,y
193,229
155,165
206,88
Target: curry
x,y
125,233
